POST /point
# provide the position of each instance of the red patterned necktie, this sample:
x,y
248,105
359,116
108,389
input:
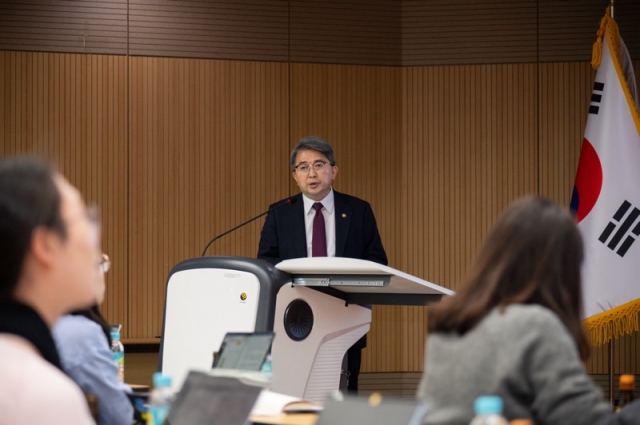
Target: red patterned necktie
x,y
319,238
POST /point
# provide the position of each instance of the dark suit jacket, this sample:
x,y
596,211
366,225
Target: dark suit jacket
x,y
283,235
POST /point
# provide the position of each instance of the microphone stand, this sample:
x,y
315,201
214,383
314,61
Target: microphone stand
x,y
288,201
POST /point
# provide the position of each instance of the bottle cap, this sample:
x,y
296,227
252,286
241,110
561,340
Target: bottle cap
x,y
115,335
627,382
488,405
161,380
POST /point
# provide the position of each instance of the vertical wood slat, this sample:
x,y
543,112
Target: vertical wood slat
x,y
208,150
471,149
71,110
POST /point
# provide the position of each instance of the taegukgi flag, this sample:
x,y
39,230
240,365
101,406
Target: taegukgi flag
x,y
606,195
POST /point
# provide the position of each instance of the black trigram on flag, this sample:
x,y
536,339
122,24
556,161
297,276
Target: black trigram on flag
x,y
624,231
596,97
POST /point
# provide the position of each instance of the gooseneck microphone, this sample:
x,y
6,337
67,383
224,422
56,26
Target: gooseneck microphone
x,y
287,201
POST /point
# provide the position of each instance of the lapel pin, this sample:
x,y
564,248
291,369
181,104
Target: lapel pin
x,y
344,215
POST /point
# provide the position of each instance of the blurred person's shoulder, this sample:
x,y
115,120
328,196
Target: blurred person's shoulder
x,y
76,327
524,322
526,315
33,390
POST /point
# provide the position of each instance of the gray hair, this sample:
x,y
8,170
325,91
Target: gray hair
x,y
313,143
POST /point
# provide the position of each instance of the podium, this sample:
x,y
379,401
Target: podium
x,y
314,306
319,315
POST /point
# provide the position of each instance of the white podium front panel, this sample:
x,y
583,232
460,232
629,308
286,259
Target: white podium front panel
x,y
309,368
202,305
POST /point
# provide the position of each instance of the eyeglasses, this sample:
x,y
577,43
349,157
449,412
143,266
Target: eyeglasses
x,y
104,263
304,168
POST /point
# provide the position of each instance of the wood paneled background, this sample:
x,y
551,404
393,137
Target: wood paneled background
x,y
177,118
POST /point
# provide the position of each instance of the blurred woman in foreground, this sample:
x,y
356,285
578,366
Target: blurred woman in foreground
x,y
83,341
514,329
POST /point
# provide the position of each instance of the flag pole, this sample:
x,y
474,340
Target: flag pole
x,y
611,374
611,346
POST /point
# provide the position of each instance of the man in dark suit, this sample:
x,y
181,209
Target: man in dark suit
x,y
349,222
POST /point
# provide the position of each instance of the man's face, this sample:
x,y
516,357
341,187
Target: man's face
x,y
78,254
315,183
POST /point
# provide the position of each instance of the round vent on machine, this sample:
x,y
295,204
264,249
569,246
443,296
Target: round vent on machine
x,y
298,320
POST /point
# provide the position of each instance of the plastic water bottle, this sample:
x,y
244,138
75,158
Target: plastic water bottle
x,y
488,411
266,366
159,399
117,350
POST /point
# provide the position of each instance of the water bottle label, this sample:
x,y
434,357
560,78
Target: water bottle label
x,y
118,358
158,414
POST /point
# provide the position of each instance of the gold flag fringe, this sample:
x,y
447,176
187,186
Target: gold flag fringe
x,y
609,29
607,25
621,320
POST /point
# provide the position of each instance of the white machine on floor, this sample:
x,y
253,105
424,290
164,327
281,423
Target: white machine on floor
x,y
206,297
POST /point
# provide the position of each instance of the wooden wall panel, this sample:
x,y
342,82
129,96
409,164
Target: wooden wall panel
x,y
81,26
471,148
368,32
71,109
230,29
567,29
468,32
357,109
515,31
209,148
346,31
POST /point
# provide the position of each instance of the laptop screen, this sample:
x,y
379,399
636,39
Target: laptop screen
x,y
206,399
243,351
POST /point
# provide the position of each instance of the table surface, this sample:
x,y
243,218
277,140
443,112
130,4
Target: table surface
x,y
285,419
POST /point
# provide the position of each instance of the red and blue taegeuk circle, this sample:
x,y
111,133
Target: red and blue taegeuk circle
x,y
588,182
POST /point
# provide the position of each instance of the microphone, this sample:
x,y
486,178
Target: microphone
x,y
287,201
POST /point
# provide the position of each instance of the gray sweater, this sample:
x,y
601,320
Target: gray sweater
x,y
525,355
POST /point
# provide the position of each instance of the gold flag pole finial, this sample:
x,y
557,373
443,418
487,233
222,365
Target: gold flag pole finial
x,y
596,52
611,6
